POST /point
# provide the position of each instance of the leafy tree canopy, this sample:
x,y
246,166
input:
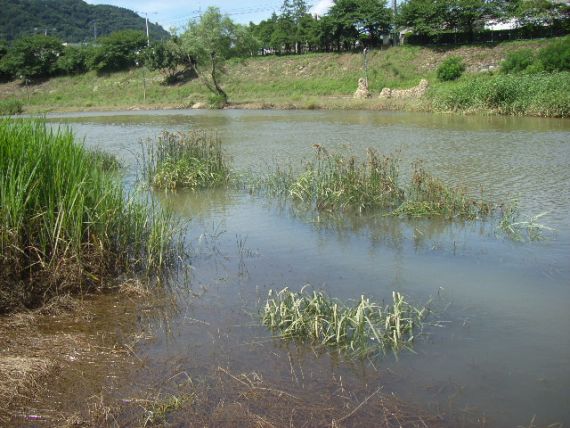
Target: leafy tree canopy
x,y
32,57
119,51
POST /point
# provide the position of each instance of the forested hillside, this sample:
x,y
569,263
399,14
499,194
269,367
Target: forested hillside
x,y
69,20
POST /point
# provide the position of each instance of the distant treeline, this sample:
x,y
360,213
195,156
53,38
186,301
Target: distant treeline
x,y
557,29
358,23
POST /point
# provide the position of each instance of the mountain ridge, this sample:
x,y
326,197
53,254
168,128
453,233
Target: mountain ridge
x,y
72,21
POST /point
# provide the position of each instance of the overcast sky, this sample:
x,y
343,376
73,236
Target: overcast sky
x,y
177,13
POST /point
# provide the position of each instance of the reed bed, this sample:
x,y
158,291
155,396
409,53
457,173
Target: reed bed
x,y
363,329
190,160
66,225
336,182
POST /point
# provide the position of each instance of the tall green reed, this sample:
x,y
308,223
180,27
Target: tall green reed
x,y
337,182
189,160
66,224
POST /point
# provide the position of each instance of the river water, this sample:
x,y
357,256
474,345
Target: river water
x,y
500,354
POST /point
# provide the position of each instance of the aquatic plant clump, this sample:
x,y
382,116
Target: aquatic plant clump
x,y
190,160
334,181
66,225
428,196
364,329
515,226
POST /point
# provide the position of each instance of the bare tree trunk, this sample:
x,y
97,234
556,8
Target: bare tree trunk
x,y
213,75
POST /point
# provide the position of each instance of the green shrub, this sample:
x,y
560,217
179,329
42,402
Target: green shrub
x,y
11,106
518,61
556,56
451,69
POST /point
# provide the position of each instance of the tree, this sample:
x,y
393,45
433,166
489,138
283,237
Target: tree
x,y
360,20
538,12
283,37
469,15
75,60
424,17
32,57
292,14
4,75
210,42
169,58
247,44
429,17
119,51
264,31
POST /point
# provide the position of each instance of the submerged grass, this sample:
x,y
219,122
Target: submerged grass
x,y
364,329
189,160
513,227
66,225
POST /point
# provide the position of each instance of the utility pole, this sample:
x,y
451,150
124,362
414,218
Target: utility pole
x,y
147,36
395,35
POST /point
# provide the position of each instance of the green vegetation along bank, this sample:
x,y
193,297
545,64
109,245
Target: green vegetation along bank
x,y
323,80
66,224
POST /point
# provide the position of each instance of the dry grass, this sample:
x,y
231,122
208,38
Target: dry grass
x,y
49,370
247,400
20,375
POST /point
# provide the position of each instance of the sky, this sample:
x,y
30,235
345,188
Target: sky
x,y
177,13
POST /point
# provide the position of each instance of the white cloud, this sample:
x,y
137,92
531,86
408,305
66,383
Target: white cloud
x,y
322,7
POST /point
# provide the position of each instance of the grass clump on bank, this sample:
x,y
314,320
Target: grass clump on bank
x,y
66,225
191,160
363,329
540,94
10,107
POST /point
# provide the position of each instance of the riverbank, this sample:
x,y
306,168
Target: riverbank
x,y
319,81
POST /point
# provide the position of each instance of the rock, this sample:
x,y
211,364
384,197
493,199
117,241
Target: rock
x,y
415,92
362,92
199,106
385,93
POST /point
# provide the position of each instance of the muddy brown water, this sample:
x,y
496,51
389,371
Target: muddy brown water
x,y
500,356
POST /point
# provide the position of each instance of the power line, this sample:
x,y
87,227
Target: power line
x,y
230,12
